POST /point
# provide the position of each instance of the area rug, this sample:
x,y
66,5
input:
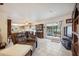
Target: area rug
x,y
55,39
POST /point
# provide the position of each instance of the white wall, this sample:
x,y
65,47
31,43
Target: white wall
x,y
3,27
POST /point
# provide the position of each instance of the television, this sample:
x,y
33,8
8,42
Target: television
x,y
68,31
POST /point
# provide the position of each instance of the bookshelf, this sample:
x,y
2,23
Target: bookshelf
x,y
40,30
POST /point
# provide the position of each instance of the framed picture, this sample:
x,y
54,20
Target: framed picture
x,y
68,20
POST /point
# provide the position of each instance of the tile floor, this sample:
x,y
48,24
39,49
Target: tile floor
x,y
48,48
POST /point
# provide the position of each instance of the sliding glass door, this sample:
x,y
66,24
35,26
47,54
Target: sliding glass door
x,y
53,30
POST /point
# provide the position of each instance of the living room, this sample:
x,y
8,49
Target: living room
x,y
42,26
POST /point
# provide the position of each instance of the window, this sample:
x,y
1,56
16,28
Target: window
x,y
69,31
53,30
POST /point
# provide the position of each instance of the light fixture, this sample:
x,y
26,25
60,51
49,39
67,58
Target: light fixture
x,y
30,25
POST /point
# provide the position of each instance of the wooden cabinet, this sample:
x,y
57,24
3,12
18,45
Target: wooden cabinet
x,y
9,27
40,31
75,41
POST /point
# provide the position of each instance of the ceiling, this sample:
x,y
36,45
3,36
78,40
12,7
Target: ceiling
x,y
31,12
